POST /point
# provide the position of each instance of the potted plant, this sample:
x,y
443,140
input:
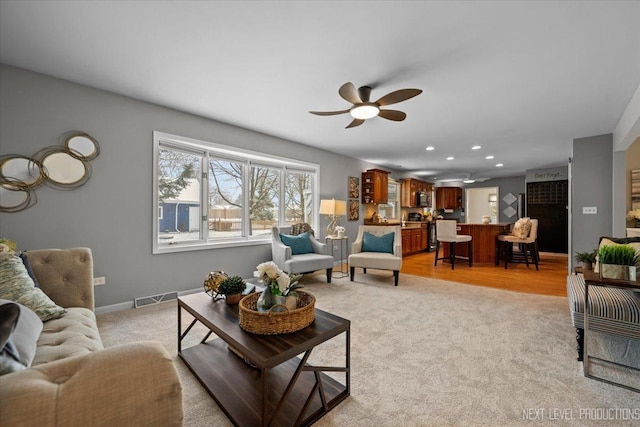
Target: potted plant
x,y
232,288
618,262
586,259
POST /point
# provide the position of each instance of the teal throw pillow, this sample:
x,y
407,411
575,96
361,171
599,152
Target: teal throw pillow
x,y
17,286
300,244
372,243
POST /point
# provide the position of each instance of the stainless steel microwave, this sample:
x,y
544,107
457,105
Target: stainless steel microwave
x,y
424,199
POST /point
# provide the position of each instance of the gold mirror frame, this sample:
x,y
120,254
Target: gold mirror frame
x,y
63,168
81,145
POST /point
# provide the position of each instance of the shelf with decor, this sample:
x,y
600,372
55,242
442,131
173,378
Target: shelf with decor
x,y
375,186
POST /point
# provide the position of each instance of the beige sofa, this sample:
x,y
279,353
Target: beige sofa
x,y
73,380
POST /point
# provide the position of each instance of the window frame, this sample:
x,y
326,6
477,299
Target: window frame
x,y
248,158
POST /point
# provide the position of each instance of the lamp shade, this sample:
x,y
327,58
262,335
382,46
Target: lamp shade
x,y
333,207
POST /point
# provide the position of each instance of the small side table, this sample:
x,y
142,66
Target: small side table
x,y
344,248
593,279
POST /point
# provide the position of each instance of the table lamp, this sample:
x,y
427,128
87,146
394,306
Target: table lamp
x,y
333,209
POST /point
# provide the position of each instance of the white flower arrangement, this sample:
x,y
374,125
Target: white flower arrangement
x,y
280,282
340,229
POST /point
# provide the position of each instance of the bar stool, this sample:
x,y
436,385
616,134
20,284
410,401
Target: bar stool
x,y
446,233
528,246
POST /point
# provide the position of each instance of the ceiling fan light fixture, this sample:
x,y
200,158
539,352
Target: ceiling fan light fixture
x,y
364,111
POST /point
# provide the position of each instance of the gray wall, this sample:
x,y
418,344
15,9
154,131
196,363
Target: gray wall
x,y
112,213
592,171
513,184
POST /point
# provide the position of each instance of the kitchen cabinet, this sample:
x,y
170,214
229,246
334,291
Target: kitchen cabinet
x,y
410,188
449,198
375,186
414,239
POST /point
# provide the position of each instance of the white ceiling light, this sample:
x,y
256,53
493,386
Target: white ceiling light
x,y
430,148
489,157
468,181
364,111
450,158
499,165
476,147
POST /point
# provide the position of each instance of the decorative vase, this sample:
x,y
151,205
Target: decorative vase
x,y
340,234
291,302
266,299
618,272
486,219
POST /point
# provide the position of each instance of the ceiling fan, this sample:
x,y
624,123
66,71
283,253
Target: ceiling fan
x,y
364,109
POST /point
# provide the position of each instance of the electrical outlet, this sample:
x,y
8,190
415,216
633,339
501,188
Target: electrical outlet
x,y
335,248
99,281
592,210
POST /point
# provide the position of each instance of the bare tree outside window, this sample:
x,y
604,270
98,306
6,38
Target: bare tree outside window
x,y
179,196
211,195
298,198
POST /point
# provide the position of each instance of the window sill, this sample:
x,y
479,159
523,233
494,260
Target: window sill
x,y
186,247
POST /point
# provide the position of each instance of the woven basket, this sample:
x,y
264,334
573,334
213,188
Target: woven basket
x,y
273,323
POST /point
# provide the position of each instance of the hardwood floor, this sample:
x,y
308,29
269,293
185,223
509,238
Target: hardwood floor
x,y
551,279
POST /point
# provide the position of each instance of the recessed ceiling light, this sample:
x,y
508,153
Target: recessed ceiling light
x,y
489,157
499,165
430,148
450,158
476,147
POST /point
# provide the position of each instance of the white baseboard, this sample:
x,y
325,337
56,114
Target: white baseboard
x,y
129,304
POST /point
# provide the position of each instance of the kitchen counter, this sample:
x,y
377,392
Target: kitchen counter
x,y
483,240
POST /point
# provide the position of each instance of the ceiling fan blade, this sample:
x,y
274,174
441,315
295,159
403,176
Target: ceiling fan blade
x,y
349,93
395,115
354,123
398,96
328,113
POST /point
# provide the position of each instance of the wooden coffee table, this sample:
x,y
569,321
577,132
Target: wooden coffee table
x,y
259,379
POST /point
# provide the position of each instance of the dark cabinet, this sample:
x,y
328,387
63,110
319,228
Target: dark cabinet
x,y
375,186
410,189
449,198
547,202
415,240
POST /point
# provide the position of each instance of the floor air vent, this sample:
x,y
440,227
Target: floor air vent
x,y
141,302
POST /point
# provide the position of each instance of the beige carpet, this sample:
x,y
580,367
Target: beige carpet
x,y
427,353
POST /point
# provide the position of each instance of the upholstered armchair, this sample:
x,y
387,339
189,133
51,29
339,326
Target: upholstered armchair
x,y
377,250
299,254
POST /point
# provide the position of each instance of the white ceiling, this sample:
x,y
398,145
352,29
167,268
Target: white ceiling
x,y
521,79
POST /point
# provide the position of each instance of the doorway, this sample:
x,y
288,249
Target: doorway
x,y
480,202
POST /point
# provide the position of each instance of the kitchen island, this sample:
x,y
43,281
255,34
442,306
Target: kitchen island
x,y
483,241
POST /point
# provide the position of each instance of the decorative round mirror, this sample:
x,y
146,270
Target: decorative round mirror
x,y
13,198
21,171
81,145
64,170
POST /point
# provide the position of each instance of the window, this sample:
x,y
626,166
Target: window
x,y
209,195
391,209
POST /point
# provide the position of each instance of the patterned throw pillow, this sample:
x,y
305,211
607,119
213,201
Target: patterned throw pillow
x,y
372,243
17,286
522,228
